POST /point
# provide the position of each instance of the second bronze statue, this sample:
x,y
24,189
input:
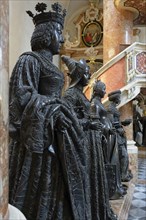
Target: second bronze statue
x,y
110,147
114,115
95,171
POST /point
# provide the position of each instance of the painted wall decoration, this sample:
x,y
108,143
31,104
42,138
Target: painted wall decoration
x,y
92,33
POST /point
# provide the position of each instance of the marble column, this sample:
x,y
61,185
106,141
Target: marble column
x,y
4,36
117,29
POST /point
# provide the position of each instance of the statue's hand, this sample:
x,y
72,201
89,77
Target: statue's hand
x,y
62,122
46,101
126,122
112,130
120,131
96,125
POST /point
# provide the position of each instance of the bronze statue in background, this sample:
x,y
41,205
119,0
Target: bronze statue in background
x,y
47,145
139,128
74,97
110,147
114,114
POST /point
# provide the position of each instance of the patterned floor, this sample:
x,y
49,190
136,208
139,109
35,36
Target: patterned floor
x,y
138,206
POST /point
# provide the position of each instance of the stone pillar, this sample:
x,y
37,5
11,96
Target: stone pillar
x,y
4,36
117,29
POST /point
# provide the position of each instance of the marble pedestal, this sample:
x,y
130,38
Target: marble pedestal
x,y
121,206
133,159
14,213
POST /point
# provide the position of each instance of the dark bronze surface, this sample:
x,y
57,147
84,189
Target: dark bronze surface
x,y
110,147
74,96
114,115
47,147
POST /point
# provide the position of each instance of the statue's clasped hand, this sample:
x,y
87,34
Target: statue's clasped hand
x,y
96,125
48,102
121,131
127,122
112,130
62,122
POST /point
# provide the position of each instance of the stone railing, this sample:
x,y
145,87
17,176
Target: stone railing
x,y
126,71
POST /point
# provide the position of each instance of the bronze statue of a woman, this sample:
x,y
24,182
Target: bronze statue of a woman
x,y
96,177
47,146
110,148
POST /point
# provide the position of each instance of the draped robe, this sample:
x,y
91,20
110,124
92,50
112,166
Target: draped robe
x,y
47,163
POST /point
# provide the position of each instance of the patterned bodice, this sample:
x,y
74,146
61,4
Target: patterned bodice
x,y
51,79
79,102
51,82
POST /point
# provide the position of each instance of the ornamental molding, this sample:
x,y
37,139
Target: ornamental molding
x,y
120,5
88,16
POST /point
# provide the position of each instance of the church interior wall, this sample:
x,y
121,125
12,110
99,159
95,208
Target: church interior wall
x,y
20,26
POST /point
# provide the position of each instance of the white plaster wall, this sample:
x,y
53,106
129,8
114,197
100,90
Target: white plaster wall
x,y
20,29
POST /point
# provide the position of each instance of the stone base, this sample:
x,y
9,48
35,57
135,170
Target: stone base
x,y
121,206
133,159
14,213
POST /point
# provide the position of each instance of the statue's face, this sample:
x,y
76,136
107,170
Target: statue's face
x,y
57,39
117,100
100,90
103,91
86,76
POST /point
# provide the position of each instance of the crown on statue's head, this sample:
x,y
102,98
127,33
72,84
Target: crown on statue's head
x,y
58,14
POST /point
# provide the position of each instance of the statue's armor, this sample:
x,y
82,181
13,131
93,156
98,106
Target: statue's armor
x,y
122,142
110,150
